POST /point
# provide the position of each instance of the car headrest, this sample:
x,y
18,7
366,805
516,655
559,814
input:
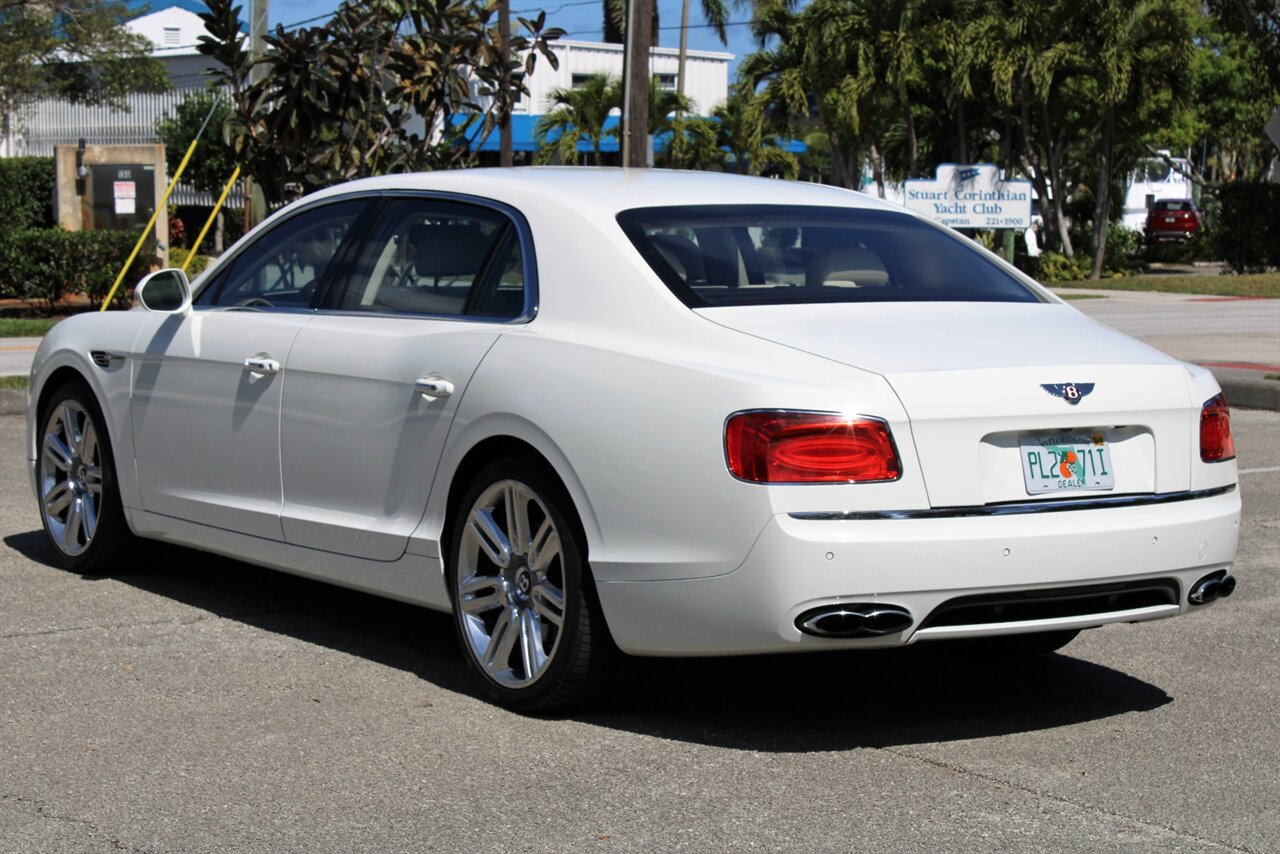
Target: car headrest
x,y
853,264
447,249
682,254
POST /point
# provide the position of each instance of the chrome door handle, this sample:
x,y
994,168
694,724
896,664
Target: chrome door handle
x,y
433,386
262,365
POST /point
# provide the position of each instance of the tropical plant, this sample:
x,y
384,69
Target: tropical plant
x,y
578,115
339,101
209,171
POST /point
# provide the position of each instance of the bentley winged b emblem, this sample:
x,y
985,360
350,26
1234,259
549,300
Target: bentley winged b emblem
x,y
1070,392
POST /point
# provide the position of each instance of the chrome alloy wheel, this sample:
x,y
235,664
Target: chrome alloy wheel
x,y
510,588
70,477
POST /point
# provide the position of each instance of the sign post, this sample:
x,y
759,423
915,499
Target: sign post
x,y
973,196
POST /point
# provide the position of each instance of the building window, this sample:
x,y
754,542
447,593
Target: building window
x,y
172,36
666,82
580,80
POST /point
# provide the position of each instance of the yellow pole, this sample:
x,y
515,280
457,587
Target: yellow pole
x,y
217,207
142,238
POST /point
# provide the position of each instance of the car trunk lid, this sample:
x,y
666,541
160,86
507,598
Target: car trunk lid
x,y
973,376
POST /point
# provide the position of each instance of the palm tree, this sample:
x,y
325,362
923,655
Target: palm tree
x,y
1131,44
579,114
662,104
821,68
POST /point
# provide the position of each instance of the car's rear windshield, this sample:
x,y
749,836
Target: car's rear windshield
x,y
714,255
1172,206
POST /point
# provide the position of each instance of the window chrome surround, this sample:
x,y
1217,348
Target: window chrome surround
x,y
524,234
893,443
1017,508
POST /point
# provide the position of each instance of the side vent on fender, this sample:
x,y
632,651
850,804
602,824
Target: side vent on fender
x,y
104,358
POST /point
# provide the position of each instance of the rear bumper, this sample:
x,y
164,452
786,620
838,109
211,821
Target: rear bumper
x,y
918,564
1172,236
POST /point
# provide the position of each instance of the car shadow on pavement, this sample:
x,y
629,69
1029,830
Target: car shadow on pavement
x,y
395,634
870,698
780,703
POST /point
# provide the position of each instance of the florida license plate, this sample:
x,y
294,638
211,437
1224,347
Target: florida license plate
x,y
1066,462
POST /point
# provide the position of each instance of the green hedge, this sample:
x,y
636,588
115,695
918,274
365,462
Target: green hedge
x,y
50,264
26,192
1247,236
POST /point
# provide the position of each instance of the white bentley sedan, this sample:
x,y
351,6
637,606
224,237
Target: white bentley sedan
x,y
662,413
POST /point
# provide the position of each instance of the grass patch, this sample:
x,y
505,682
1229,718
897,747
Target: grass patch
x,y
13,382
1073,297
1258,285
1271,377
26,327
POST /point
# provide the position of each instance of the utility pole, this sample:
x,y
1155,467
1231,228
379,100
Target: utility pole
x,y
257,36
635,83
504,130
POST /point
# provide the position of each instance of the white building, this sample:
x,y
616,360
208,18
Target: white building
x,y
175,32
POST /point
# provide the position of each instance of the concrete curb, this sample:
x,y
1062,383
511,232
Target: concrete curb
x,y
13,401
1248,389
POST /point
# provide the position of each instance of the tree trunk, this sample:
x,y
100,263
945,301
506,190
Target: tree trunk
x,y
912,143
219,233
877,169
1102,192
1057,183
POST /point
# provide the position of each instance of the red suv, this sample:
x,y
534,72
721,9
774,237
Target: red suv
x,y
1172,219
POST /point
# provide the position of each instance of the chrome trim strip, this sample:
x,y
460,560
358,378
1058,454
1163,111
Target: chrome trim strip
x,y
1082,621
1014,508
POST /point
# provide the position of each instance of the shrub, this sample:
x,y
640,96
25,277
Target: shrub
x,y
1054,267
1248,228
26,192
50,264
178,256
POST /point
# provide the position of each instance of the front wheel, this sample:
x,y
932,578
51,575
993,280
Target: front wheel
x,y
527,617
79,501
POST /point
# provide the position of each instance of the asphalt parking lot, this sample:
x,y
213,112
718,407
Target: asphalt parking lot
x,y
198,704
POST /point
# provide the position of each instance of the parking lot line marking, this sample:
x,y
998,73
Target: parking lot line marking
x,y
1263,470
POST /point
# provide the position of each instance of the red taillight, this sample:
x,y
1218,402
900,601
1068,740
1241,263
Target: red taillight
x,y
1216,443
809,447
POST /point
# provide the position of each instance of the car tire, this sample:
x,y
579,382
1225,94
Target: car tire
x,y
80,507
525,608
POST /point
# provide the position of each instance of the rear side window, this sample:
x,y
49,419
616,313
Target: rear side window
x,y
429,256
770,255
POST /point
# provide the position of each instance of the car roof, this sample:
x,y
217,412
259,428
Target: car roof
x,y
607,191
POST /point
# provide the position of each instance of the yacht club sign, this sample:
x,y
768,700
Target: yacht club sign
x,y
971,196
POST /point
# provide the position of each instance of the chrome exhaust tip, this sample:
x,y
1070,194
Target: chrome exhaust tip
x,y
862,620
1212,587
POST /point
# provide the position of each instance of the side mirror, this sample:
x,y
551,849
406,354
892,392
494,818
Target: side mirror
x,y
165,291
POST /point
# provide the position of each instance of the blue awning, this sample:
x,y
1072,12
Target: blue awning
x,y
522,136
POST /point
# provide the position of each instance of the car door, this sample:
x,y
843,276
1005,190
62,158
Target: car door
x,y
207,385
374,381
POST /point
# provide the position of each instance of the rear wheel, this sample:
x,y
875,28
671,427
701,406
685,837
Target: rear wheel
x,y
79,500
526,614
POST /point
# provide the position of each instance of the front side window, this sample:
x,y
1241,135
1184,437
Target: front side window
x,y
715,255
286,266
429,256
